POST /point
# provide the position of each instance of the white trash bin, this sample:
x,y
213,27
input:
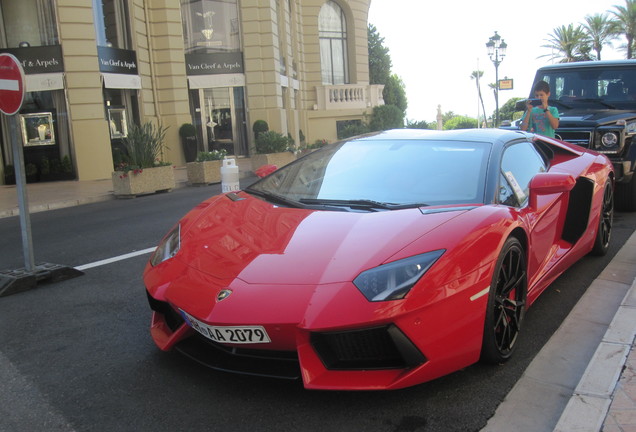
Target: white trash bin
x,y
229,176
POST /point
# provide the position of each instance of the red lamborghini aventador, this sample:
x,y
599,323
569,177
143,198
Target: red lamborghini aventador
x,y
382,261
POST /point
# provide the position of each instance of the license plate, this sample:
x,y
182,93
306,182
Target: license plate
x,y
228,334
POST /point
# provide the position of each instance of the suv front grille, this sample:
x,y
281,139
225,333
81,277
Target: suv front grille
x,y
582,138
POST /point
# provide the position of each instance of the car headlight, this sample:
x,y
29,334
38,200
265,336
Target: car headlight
x,y
168,247
394,280
609,139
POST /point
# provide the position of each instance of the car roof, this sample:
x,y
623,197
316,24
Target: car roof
x,y
481,135
589,64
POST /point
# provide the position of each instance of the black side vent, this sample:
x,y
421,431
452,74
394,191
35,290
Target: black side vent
x,y
375,348
579,206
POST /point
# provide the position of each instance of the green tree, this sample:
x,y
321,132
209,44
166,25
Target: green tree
x,y
379,58
460,122
352,129
568,44
386,117
600,31
626,23
421,124
395,93
476,75
507,111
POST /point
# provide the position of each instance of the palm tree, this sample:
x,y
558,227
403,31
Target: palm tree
x,y
569,44
626,21
476,75
600,30
495,115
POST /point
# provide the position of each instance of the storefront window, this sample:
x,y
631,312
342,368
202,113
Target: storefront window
x,y
214,65
43,127
332,28
210,26
28,30
28,23
111,23
122,109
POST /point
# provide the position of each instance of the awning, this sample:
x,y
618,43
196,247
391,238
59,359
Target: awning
x,y
44,82
213,81
121,81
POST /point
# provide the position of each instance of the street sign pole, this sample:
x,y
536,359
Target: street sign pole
x,y
12,88
20,182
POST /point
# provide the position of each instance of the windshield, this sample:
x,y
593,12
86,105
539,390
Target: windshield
x,y
400,172
610,86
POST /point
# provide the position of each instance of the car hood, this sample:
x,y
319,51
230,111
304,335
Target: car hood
x,y
580,117
261,243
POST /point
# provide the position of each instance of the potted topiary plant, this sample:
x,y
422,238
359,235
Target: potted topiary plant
x,y
206,169
188,134
142,171
259,127
31,173
272,148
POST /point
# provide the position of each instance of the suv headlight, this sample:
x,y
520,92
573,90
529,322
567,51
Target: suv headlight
x,y
609,139
394,280
168,247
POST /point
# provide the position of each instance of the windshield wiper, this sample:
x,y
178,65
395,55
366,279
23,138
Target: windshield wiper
x,y
360,204
276,199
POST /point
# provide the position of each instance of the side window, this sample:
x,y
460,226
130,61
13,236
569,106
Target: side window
x,y
520,162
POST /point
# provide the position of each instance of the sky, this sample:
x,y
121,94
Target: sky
x,y
436,45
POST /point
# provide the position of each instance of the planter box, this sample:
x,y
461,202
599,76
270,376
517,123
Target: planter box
x,y
148,181
279,159
204,173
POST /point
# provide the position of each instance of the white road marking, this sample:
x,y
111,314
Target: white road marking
x,y
6,84
115,259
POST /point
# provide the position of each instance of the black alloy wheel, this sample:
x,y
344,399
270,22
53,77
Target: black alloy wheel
x,y
506,303
604,232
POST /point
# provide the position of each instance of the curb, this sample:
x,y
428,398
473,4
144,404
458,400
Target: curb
x,y
55,205
36,208
590,403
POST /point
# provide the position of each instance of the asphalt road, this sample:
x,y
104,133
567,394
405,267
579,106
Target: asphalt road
x,y
77,355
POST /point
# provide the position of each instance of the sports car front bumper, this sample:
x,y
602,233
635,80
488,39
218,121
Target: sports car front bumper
x,y
383,347
377,356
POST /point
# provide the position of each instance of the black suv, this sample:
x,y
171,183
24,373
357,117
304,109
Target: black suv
x,y
597,106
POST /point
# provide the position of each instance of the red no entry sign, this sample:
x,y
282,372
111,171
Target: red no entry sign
x,y
11,84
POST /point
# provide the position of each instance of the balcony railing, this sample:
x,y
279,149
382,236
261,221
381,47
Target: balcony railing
x,y
348,96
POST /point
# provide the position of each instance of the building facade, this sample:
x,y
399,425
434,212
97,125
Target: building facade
x,y
95,66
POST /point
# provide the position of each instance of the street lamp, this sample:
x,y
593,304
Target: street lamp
x,y
496,51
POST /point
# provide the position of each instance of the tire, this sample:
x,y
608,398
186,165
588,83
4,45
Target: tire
x,y
626,195
604,232
506,303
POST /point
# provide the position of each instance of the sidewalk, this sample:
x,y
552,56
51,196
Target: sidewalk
x,y
583,379
56,195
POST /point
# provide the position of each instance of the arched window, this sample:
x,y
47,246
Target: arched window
x,y
332,31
